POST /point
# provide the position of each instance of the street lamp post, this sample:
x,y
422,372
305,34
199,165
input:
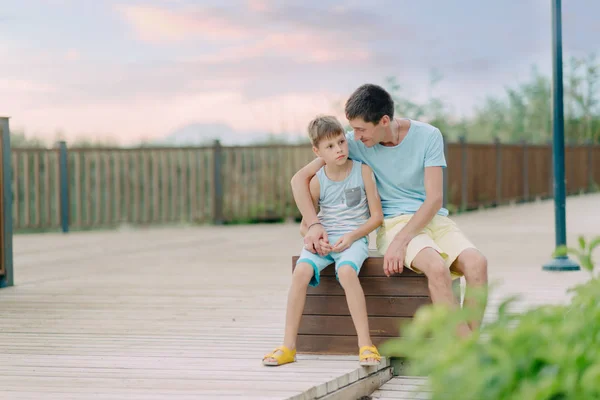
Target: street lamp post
x,y
563,262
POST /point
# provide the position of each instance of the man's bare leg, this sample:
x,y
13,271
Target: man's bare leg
x,y
431,263
473,265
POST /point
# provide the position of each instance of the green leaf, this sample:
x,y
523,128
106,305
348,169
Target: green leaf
x,y
581,242
560,251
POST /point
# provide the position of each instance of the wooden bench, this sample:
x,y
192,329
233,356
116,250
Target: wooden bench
x,y
326,326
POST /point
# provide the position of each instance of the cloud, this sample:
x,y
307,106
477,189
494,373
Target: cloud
x,y
258,5
107,119
157,25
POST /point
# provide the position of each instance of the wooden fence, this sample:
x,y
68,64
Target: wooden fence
x,y
83,188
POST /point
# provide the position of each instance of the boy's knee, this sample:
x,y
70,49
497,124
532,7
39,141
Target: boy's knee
x,y
303,273
346,273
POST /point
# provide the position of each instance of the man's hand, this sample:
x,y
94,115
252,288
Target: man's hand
x,y
393,260
343,243
314,237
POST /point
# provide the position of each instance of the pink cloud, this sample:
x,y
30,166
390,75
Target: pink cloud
x,y
303,44
258,5
301,47
126,121
156,25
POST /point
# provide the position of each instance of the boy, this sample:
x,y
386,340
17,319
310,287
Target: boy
x,y
346,193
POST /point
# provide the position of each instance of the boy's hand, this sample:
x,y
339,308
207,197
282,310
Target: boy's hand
x,y
325,247
343,243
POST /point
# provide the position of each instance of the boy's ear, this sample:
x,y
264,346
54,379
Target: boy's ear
x,y
316,151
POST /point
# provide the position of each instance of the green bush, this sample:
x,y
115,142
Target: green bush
x,y
549,352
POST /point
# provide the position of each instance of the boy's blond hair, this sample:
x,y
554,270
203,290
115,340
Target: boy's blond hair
x,y
324,127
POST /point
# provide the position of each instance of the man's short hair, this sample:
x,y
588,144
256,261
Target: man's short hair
x,y
370,103
324,127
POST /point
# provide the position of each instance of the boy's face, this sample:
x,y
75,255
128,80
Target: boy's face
x,y
369,133
333,150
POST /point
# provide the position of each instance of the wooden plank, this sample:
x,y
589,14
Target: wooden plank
x,y
87,175
376,286
173,183
37,189
344,326
156,162
329,344
57,210
147,182
47,220
108,195
15,157
164,167
117,160
183,186
377,306
98,190
26,191
193,194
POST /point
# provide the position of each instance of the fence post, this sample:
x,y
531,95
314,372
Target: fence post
x,y
525,171
590,166
498,171
6,246
464,175
445,171
218,183
64,185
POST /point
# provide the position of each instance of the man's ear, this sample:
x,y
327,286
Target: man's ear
x,y
385,120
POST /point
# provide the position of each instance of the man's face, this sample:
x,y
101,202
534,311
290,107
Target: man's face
x,y
367,132
333,150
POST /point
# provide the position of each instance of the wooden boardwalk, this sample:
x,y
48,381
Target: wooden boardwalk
x,y
187,313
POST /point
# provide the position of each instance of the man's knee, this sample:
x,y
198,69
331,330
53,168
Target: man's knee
x,y
431,263
472,264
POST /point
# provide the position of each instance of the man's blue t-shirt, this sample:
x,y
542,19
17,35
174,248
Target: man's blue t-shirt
x,y
400,170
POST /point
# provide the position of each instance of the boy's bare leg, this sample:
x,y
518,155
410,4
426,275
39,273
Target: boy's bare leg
x,y
356,304
302,275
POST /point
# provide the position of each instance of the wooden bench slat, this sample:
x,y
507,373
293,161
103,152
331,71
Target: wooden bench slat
x,y
330,344
375,286
377,306
343,325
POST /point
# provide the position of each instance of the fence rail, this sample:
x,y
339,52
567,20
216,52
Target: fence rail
x,y
101,187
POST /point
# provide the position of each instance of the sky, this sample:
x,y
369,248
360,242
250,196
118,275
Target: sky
x,y
138,70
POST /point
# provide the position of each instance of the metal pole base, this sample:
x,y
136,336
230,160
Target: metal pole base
x,y
561,264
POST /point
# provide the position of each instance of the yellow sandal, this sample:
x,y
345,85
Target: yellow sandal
x,y
287,356
364,356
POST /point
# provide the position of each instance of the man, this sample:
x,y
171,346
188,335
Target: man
x,y
407,158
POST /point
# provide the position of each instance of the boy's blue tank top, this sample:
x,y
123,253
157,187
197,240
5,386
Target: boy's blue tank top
x,y
343,205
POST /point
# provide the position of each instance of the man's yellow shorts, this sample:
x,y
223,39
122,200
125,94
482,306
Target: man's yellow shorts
x,y
441,234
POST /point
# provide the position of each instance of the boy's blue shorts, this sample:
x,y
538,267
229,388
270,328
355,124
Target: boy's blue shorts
x,y
354,256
